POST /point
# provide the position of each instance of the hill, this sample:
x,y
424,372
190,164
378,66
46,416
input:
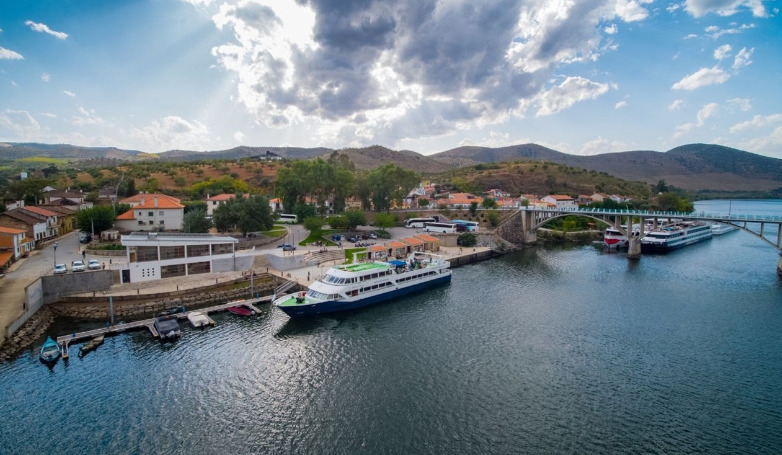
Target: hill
x,y
368,158
692,166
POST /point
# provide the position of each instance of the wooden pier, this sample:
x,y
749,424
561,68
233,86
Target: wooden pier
x,y
65,340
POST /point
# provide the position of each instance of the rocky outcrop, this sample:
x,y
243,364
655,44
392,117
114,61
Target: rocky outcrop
x,y
29,333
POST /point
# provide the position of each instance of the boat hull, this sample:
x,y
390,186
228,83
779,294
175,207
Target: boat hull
x,y
662,248
336,306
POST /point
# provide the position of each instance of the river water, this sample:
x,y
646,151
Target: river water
x,y
544,351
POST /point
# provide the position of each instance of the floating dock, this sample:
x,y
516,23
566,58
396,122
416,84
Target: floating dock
x,y
65,340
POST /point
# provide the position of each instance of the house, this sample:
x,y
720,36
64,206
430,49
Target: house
x,y
152,255
560,201
430,243
583,199
66,198
48,215
459,200
270,156
66,217
413,244
14,243
495,193
151,212
35,227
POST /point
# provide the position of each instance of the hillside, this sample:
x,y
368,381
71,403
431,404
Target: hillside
x,y
368,158
692,167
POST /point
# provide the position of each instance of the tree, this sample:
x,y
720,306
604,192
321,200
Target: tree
x,y
314,223
304,211
661,187
337,222
195,221
493,218
473,208
194,205
466,239
423,202
246,214
355,218
489,203
390,183
96,219
385,220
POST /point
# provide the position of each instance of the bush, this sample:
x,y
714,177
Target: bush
x,y
467,239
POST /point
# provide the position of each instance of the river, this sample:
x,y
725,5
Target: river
x,y
543,351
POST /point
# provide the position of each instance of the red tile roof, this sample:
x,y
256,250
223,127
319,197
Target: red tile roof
x,y
150,196
8,230
38,210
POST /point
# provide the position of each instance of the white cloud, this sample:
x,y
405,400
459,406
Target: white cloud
x,y
87,117
702,78
46,77
706,112
743,58
18,125
38,27
602,145
69,93
172,132
631,11
743,104
611,29
568,93
48,114
673,7
8,54
757,122
675,105
238,136
715,32
699,8
683,129
620,104
722,51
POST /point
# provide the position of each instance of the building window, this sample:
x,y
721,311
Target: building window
x,y
168,271
172,252
140,222
162,221
161,213
197,250
151,213
139,213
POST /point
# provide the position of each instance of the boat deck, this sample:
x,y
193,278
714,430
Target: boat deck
x,y
362,267
65,340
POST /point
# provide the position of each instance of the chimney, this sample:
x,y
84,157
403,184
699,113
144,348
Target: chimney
x,y
142,201
155,201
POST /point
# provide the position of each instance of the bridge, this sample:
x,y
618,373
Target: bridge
x,y
765,227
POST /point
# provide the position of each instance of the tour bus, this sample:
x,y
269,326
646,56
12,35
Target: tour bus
x,y
445,228
287,218
469,226
419,222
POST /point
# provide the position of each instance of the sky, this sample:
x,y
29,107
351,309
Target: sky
x,y
580,76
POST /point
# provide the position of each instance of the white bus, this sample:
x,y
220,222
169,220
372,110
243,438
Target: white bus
x,y
287,218
469,226
445,228
418,222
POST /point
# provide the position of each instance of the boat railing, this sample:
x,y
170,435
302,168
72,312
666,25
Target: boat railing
x,y
284,287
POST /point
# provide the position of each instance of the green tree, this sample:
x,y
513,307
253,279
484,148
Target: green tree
x,y
314,223
390,183
466,239
423,202
246,214
194,205
355,218
337,222
195,221
489,203
493,218
95,219
473,208
304,211
385,221
291,187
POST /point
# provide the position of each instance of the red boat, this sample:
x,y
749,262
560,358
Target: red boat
x,y
241,310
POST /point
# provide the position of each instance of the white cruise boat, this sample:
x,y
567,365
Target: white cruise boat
x,y
615,239
722,228
351,286
675,236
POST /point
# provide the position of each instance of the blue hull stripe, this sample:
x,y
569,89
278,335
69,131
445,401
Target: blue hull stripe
x,y
335,306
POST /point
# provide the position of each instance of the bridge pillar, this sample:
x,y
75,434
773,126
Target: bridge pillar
x,y
779,266
633,247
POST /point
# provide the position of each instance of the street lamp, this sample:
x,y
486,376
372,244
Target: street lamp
x,y
55,253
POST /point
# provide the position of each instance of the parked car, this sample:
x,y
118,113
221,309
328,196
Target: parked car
x,y
60,268
285,245
288,248
77,266
93,265
84,237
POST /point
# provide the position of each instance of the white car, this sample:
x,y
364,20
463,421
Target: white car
x,y
77,266
60,269
93,265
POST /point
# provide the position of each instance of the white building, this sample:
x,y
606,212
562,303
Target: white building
x,y
151,212
561,201
152,256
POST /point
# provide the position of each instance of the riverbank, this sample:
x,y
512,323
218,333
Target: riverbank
x,y
131,301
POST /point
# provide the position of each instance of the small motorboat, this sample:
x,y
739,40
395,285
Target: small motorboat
x,y
172,310
50,351
91,345
198,319
241,310
167,327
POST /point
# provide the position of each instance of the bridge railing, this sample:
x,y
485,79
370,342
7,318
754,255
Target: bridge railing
x,y
660,213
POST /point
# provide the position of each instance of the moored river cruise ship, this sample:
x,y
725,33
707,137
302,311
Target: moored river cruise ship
x,y
352,286
674,236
